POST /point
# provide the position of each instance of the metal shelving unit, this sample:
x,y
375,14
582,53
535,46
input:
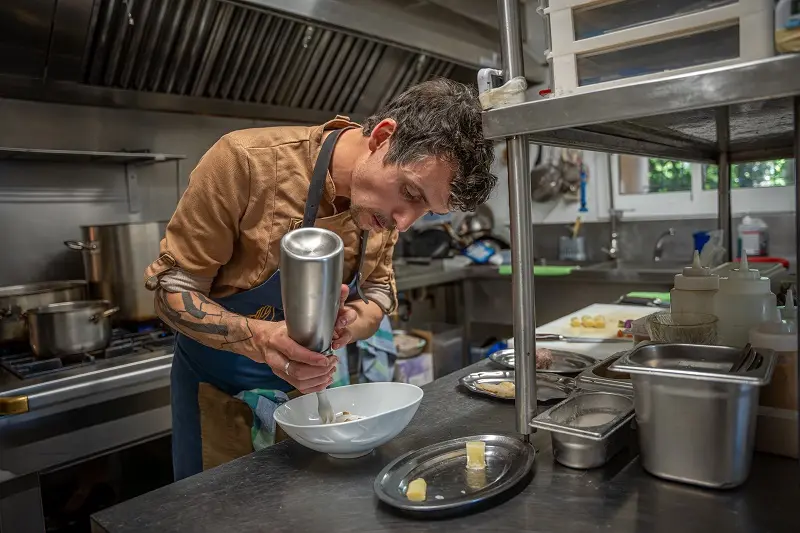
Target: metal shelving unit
x,y
744,112
130,160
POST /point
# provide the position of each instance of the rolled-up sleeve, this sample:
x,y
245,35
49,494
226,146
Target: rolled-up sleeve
x,y
380,286
200,236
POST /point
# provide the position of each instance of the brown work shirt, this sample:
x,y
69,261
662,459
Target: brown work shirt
x,y
249,190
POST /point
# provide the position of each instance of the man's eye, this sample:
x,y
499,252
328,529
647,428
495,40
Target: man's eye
x,y
409,195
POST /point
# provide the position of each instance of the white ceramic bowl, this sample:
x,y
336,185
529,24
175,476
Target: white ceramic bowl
x,y
388,408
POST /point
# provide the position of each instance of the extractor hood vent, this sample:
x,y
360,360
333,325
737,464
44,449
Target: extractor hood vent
x,y
216,50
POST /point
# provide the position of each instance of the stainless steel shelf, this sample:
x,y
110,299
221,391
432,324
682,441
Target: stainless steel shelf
x,y
86,157
673,117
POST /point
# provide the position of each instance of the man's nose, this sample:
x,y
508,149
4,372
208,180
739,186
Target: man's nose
x,y
404,219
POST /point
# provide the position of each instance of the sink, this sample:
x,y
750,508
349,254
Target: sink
x,y
644,267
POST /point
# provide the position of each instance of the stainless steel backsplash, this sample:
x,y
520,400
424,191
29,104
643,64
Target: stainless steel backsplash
x,y
43,204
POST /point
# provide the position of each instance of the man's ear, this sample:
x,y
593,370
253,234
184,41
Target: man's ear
x,y
381,133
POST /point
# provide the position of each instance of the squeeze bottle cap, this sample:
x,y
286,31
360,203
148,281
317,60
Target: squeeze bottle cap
x,y
697,277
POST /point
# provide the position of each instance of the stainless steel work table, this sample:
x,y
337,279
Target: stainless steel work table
x,y
290,488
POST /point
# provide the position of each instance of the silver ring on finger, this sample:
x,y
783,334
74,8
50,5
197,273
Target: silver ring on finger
x,y
286,367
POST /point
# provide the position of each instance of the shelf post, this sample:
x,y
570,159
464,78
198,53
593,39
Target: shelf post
x,y
132,184
521,231
797,207
723,116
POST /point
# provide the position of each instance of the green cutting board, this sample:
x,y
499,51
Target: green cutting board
x,y
541,270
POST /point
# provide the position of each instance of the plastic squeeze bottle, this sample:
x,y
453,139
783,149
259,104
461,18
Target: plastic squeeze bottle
x,y
743,301
695,289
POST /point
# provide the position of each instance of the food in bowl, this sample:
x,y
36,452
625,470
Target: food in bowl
x,y
346,416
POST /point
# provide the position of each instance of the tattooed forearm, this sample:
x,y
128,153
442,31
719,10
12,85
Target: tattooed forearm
x,y
205,321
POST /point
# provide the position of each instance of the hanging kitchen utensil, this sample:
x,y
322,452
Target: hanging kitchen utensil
x,y
546,179
571,163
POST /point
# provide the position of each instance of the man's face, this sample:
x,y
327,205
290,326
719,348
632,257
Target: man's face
x,y
388,195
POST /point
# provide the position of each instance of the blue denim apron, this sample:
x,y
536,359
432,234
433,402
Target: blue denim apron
x,y
195,363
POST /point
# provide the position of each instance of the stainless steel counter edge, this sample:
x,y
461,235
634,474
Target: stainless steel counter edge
x,y
309,491
42,395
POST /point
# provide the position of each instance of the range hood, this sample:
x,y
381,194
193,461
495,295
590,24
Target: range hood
x,y
292,60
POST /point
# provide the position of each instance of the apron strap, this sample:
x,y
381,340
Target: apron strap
x,y
318,176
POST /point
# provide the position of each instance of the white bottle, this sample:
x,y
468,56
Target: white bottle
x,y
789,311
753,237
776,431
694,289
744,300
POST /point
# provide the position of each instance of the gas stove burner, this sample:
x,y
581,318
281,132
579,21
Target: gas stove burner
x,y
18,360
27,366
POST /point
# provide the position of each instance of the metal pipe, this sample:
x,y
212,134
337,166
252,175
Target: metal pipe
x,y
723,116
521,231
797,207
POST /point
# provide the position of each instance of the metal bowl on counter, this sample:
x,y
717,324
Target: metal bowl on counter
x,y
696,414
588,428
69,328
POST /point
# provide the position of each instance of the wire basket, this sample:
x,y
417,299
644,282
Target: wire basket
x,y
682,328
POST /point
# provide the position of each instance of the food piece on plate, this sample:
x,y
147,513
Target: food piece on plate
x,y
476,455
416,490
504,389
544,358
476,479
575,322
599,321
587,321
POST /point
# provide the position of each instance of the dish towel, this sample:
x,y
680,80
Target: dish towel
x,y
263,403
378,354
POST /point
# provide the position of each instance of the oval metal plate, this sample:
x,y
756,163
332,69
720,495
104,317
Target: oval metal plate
x,y
564,362
451,486
548,387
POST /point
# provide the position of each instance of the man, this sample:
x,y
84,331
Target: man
x,y
217,281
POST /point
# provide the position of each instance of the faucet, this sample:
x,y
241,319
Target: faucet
x,y
658,249
612,251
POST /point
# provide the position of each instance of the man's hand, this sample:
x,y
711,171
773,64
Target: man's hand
x,y
342,336
305,370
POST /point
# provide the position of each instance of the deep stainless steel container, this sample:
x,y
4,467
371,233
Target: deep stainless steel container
x,y
696,420
70,327
312,262
588,428
115,257
17,299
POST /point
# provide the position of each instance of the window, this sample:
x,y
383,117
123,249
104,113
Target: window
x,y
659,188
666,175
776,173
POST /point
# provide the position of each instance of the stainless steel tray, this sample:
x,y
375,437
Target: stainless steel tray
x,y
599,377
548,387
451,486
588,428
564,362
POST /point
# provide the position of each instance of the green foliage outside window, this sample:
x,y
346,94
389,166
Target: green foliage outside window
x,y
667,175
670,176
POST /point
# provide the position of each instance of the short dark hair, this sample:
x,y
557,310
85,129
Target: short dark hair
x,y
442,118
